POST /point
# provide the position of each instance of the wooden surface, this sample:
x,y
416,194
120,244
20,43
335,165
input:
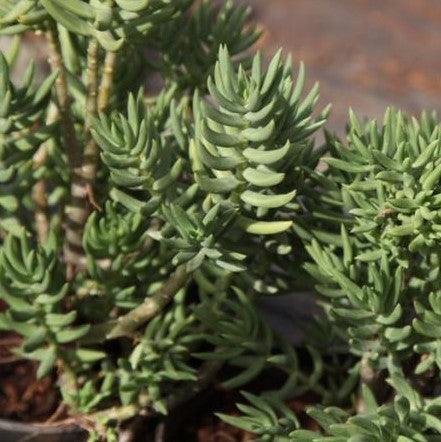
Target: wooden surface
x,y
367,54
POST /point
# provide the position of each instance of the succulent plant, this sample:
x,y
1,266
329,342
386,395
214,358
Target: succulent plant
x,y
139,230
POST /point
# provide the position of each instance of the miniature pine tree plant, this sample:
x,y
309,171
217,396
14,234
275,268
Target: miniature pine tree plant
x,y
148,222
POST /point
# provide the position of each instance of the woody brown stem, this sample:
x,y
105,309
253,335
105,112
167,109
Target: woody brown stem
x,y
97,100
106,81
39,191
131,321
373,379
76,209
127,324
39,194
91,151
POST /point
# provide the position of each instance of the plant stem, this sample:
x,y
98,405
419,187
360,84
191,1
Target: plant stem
x,y
127,324
106,81
39,191
76,210
97,100
91,152
130,322
120,414
115,413
39,195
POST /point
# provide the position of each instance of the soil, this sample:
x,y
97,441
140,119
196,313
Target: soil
x,y
22,396
199,423
211,429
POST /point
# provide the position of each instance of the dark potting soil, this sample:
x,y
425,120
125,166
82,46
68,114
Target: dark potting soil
x,y
23,397
196,421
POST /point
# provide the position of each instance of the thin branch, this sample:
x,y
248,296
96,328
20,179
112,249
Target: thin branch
x,y
97,100
115,413
92,84
39,191
76,210
106,81
131,321
127,324
73,148
91,151
39,195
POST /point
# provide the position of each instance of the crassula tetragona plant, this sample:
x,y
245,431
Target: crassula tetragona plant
x,y
138,230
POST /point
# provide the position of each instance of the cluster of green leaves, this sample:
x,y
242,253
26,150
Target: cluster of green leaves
x,y
148,152
141,160
196,237
370,227
111,23
211,195
378,277
33,285
269,419
117,256
408,418
250,144
389,181
22,130
364,300
189,60
238,334
161,361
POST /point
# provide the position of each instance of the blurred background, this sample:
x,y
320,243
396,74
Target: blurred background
x,y
366,54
